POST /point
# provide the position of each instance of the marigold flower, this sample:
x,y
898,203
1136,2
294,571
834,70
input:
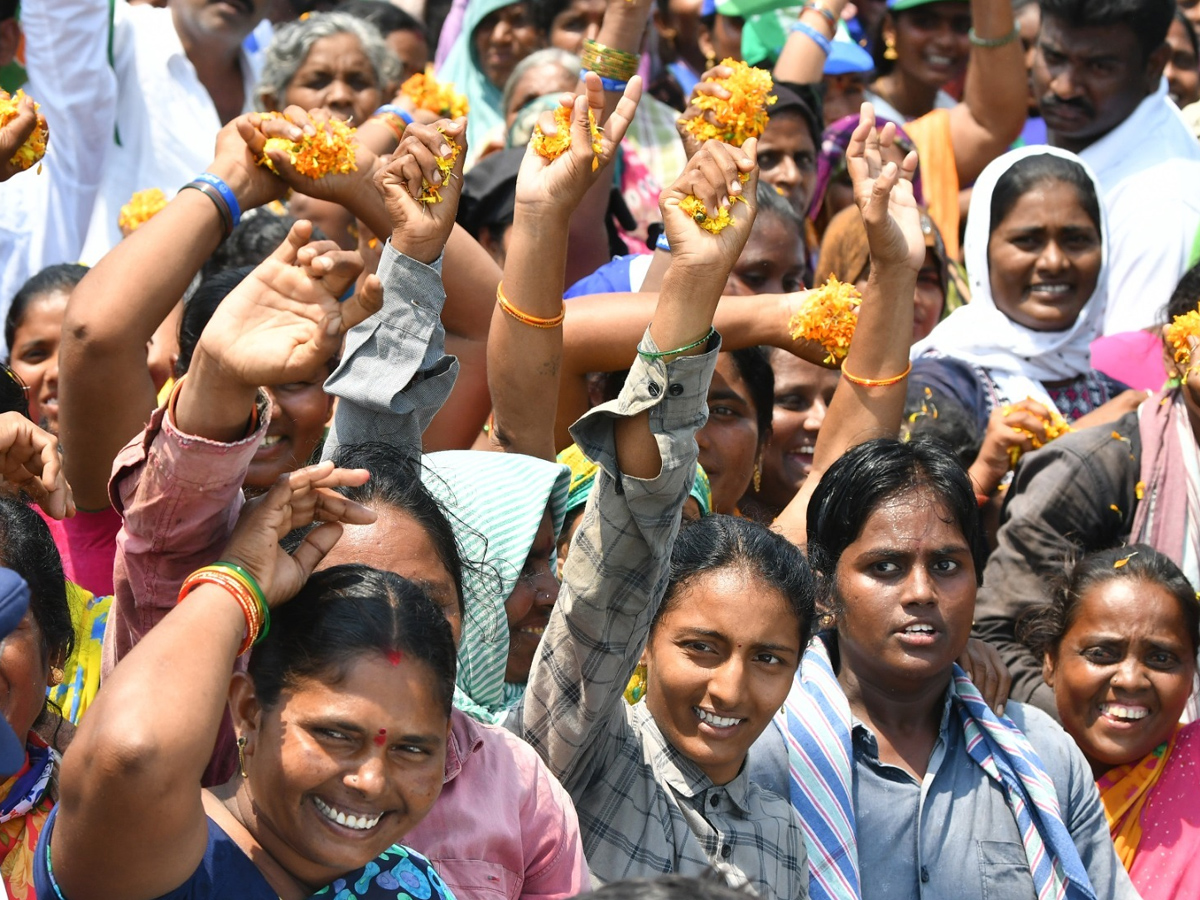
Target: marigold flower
x,y
328,152
141,208
34,147
552,146
427,93
432,193
828,317
1055,426
743,115
1180,333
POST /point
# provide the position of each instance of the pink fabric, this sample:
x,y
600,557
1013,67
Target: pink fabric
x,y
1134,358
1161,517
179,497
503,826
87,544
1165,866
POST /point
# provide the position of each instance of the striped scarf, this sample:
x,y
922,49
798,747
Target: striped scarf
x,y
816,724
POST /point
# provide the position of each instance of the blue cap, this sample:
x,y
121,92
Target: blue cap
x,y
845,56
14,601
708,7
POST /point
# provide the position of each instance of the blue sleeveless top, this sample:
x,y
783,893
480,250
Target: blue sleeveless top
x,y
226,871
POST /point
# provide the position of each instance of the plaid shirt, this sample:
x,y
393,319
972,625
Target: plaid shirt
x,y
644,809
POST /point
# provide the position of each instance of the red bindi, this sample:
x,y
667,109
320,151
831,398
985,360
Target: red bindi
x,y
394,657
381,738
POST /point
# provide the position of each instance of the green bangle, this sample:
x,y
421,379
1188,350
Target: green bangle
x,y
993,43
652,355
258,594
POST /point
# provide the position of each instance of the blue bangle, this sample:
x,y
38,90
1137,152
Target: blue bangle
x,y
611,84
662,243
819,39
391,108
235,211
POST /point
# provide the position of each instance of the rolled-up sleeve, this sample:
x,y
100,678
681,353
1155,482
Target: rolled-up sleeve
x,y
395,374
617,569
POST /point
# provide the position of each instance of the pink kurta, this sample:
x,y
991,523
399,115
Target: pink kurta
x,y
1166,866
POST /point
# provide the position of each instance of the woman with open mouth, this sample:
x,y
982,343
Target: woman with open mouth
x,y
1119,641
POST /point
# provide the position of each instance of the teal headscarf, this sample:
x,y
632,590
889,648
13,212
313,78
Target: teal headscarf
x,y
495,503
463,69
583,476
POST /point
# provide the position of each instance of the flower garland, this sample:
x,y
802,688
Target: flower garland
x,y
828,317
141,208
743,115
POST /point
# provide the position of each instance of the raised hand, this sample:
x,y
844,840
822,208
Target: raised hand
x,y
16,133
420,229
295,501
285,320
237,165
558,185
713,177
30,461
883,192
704,86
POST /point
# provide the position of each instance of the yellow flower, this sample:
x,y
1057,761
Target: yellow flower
x,y
1055,426
432,193
427,93
829,316
329,151
141,208
34,147
1139,489
743,115
1180,333
552,146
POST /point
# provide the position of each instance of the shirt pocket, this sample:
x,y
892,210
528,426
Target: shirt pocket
x,y
474,878
1004,871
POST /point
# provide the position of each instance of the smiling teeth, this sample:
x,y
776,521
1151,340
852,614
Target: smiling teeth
x,y
919,629
716,721
533,630
271,440
1117,711
1051,288
940,60
358,823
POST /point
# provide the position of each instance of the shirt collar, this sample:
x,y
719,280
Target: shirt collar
x,y
860,729
163,43
1115,147
465,739
678,772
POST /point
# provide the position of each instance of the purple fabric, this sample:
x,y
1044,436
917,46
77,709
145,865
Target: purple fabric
x,y
831,158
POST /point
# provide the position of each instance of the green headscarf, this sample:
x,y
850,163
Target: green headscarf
x,y
463,69
495,503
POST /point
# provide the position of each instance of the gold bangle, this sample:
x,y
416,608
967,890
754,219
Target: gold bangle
x,y
609,62
525,318
392,121
876,382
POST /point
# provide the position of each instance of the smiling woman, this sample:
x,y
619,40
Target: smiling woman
x,y
1119,640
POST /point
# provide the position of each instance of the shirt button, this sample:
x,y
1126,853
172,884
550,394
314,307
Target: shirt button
x,y
654,389
726,851
924,875
714,801
675,390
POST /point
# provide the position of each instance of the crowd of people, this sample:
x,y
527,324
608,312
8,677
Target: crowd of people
x,y
471,519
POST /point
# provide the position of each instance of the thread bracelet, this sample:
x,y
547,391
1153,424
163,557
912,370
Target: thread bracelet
x,y
993,43
525,318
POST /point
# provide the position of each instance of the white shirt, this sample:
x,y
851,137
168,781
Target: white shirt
x,y
166,120
1149,170
44,217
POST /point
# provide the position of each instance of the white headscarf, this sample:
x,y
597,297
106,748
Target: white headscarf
x,y
1017,358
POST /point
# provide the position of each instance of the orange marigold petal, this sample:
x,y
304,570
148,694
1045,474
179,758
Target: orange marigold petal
x,y
740,117
141,208
330,151
828,316
439,97
34,147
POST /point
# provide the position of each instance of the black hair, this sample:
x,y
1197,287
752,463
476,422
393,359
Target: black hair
x,y
62,277
806,101
27,547
385,16
754,366
1189,30
720,542
710,886
1149,20
1042,630
936,416
1029,172
870,474
199,309
255,238
8,9
14,393
396,482
1186,296
546,11
343,613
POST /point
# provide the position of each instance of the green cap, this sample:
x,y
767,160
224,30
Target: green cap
x,y
902,5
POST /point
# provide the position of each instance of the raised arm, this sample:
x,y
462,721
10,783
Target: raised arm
x,y
106,391
994,105
134,767
802,60
869,402
644,443
525,341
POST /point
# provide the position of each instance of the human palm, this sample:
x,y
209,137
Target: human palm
x,y
883,192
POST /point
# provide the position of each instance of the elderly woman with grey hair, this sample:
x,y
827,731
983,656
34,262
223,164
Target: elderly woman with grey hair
x,y
330,61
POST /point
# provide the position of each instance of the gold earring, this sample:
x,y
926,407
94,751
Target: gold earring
x,y
241,745
889,49
757,478
56,675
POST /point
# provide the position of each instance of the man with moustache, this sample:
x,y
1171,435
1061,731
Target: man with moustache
x,y
1098,77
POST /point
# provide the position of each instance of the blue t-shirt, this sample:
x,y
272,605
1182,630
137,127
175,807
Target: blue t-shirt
x,y
226,871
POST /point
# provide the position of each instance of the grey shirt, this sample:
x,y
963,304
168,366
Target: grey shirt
x,y
952,835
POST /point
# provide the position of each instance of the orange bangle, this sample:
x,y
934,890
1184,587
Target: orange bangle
x,y
240,592
876,382
525,318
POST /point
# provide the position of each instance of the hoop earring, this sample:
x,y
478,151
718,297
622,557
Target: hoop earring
x,y
241,745
889,49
